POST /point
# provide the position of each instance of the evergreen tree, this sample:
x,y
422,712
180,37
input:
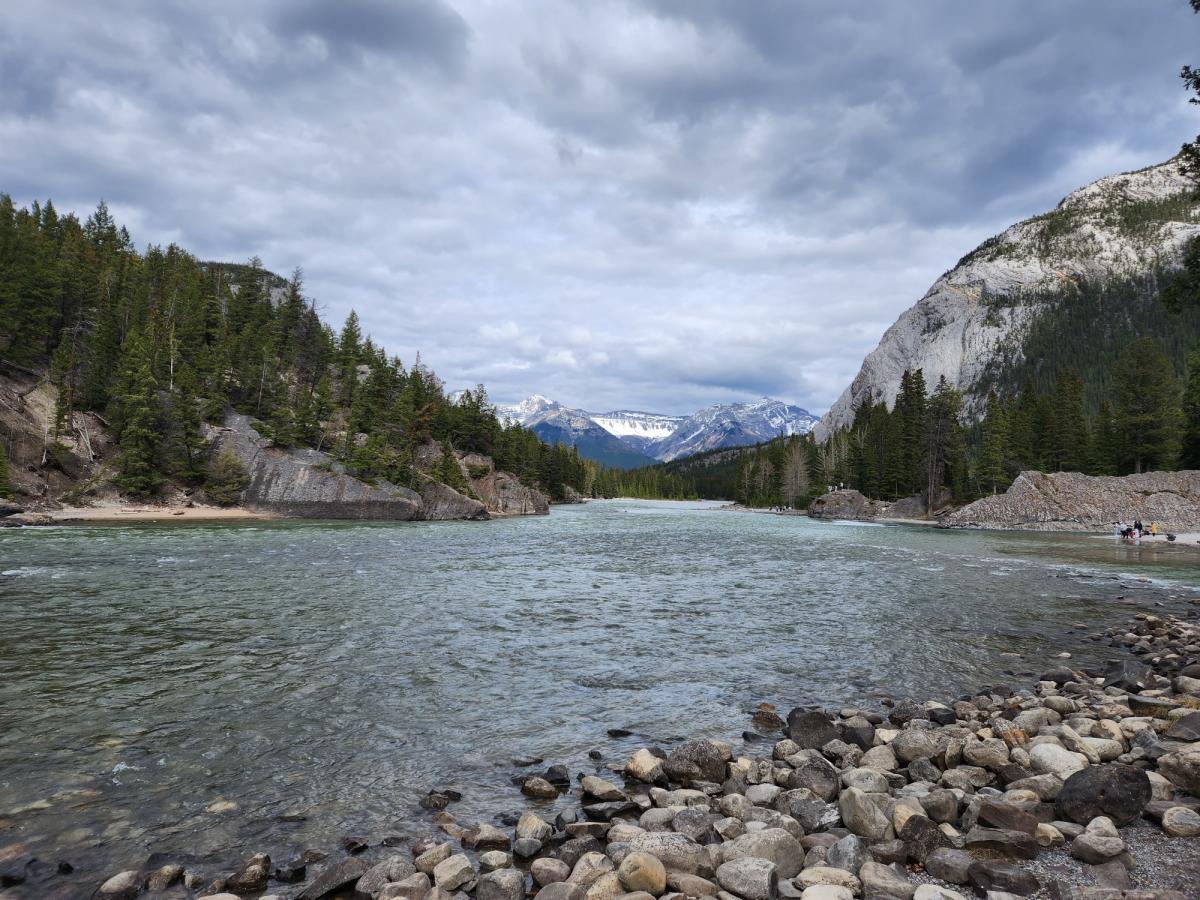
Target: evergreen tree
x,y
138,428
1069,431
187,442
993,475
1189,453
943,441
1106,444
227,478
1147,407
6,489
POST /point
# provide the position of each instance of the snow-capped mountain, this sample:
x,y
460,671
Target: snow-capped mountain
x,y
639,430
558,424
629,438
733,425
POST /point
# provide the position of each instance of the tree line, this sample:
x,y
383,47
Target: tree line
x,y
159,342
924,444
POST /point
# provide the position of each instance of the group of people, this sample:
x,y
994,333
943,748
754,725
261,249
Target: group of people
x,y
1135,531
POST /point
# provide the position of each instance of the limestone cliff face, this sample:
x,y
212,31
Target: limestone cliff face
x,y
1123,225
309,484
1068,501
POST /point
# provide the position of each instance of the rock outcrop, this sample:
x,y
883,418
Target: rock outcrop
x,y
1068,501
1118,226
851,505
310,484
845,504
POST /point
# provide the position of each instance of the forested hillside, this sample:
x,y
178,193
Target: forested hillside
x,y
156,342
1147,416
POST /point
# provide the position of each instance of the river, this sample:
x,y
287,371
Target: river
x,y
204,692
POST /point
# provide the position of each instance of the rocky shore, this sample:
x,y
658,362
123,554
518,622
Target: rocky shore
x,y
1084,785
1068,501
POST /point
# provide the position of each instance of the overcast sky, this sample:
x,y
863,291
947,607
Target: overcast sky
x,y
649,204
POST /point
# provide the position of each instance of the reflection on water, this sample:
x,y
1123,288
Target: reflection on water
x,y
205,691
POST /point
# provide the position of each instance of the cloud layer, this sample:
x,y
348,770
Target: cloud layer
x,y
657,204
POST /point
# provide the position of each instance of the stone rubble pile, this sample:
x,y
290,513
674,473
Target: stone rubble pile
x,y
930,802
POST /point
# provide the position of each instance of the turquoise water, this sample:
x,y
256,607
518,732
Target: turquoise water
x,y
322,677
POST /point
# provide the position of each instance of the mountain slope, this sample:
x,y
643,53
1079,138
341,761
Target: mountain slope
x,y
732,425
975,319
643,438
558,424
639,430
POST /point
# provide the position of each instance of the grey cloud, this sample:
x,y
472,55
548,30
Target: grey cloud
x,y
656,204
422,30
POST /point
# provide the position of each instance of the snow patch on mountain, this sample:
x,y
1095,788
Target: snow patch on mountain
x,y
666,437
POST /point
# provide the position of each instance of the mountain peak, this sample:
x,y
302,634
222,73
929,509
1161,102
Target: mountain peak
x,y
650,436
979,313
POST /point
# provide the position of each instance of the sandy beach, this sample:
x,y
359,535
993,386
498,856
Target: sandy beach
x,y
107,513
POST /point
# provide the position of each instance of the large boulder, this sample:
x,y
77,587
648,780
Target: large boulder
x,y
643,872
1069,501
1182,769
861,816
335,876
696,761
845,504
503,494
676,852
753,879
1117,791
394,868
810,729
772,844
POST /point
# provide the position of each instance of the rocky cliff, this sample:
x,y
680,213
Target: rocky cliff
x,y
1118,227
1068,501
309,484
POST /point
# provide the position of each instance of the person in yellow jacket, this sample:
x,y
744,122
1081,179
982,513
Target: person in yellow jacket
x,y
1154,528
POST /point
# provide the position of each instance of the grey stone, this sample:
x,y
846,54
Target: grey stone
x,y
862,816
501,884
394,868
413,887
751,878
879,880
773,844
676,852
810,729
949,865
452,873
848,853
1117,791
338,874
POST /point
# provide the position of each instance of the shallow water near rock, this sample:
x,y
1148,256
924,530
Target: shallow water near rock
x,y
205,692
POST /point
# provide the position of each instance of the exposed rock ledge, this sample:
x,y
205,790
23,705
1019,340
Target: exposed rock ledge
x,y
1068,501
310,484
849,504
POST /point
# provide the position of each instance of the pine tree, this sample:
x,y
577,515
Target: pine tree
x,y
227,478
1147,407
943,436
1106,443
6,489
993,475
137,422
1189,452
1069,432
187,440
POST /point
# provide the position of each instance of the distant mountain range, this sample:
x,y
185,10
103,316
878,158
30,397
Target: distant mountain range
x,y
630,438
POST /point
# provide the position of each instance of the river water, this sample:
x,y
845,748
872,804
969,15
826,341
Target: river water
x,y
205,692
